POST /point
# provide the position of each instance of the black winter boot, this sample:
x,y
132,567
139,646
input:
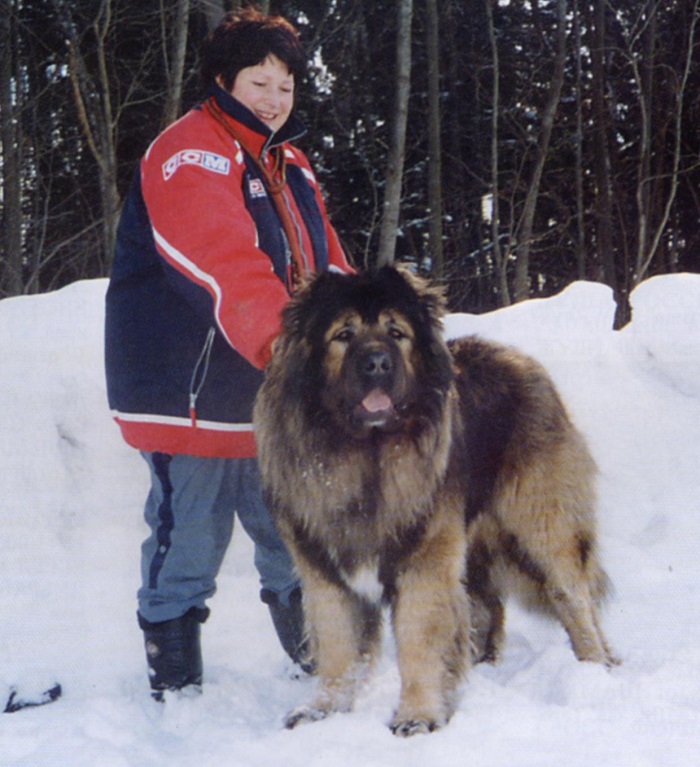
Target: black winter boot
x,y
289,625
173,651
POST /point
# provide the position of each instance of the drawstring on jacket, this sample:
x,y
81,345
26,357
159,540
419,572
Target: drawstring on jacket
x,y
199,375
276,180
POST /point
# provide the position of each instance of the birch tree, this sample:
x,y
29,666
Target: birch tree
x,y
11,282
434,140
174,50
526,223
653,217
92,90
394,173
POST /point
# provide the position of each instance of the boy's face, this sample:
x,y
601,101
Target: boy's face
x,y
267,89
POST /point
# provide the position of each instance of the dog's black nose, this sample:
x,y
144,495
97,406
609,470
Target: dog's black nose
x,y
377,363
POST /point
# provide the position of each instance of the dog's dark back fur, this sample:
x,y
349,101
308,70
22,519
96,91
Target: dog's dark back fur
x,y
509,410
299,435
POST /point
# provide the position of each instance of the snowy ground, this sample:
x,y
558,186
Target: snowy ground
x,y
70,527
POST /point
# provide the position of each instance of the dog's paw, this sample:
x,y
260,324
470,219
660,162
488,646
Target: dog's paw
x,y
404,728
602,655
304,715
610,661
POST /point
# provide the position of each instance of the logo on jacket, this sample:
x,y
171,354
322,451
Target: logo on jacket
x,y
207,160
256,188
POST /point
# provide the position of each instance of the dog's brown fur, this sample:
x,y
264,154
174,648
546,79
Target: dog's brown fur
x,y
385,457
532,483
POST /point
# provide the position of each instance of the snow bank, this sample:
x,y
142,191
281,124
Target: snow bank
x,y
70,525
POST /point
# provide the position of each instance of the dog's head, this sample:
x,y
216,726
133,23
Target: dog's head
x,y
364,353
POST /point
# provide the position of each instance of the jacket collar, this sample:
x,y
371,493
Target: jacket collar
x,y
259,137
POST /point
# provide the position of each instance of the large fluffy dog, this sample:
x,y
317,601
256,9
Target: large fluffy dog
x,y
399,468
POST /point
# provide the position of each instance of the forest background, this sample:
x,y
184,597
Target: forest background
x,y
507,147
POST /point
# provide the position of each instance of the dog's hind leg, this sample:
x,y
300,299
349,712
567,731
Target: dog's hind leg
x,y
576,610
569,586
486,602
546,514
572,593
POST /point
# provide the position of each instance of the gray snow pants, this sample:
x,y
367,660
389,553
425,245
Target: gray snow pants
x,y
190,510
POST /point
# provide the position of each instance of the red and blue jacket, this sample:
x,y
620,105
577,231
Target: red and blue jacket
x,y
201,273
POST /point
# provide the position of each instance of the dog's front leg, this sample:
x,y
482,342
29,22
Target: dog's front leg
x,y
336,635
431,626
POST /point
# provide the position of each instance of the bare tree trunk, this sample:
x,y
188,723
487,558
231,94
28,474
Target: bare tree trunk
x,y
95,113
644,78
602,166
581,258
394,173
11,283
434,143
649,239
175,61
499,260
213,10
522,264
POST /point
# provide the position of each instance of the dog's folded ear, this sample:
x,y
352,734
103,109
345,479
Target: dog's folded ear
x,y
432,296
301,313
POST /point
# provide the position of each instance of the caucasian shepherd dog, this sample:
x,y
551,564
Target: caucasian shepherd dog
x,y
401,469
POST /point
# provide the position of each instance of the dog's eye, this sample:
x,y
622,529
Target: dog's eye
x,y
344,335
396,333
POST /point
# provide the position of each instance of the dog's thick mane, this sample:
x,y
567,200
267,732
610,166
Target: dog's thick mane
x,y
381,463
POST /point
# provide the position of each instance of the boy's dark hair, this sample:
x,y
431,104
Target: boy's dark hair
x,y
246,38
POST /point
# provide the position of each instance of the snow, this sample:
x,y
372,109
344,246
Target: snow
x,y
71,527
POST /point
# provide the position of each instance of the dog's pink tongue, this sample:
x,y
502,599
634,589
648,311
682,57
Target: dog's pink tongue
x,y
375,401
